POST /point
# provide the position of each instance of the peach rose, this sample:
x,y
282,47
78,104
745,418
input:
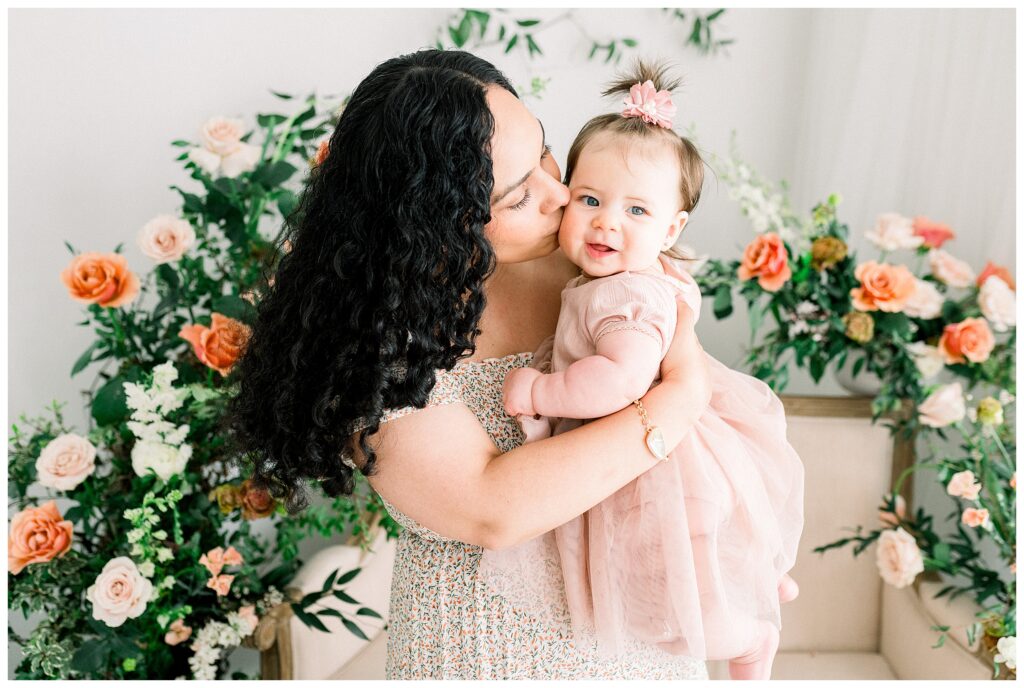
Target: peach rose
x,y
943,406
926,301
998,303
65,462
963,485
219,345
950,270
934,234
766,258
991,269
975,518
256,502
892,232
103,279
221,584
888,518
178,632
321,152
38,534
898,558
166,238
882,287
969,340
119,593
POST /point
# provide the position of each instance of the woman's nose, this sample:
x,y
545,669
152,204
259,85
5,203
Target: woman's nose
x,y
557,195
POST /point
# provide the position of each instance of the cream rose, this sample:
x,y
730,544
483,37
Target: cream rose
x,y
65,462
944,406
898,558
119,593
223,149
892,232
998,304
950,270
928,359
926,301
963,485
164,459
166,238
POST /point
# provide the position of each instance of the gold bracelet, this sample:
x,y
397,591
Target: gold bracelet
x,y
655,440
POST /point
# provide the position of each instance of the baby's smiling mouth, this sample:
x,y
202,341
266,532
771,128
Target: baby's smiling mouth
x,y
599,250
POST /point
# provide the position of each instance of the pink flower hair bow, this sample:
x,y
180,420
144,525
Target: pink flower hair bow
x,y
650,105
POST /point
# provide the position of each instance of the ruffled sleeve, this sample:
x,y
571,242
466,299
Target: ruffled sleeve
x,y
636,303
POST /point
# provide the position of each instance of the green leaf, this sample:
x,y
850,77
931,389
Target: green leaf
x,y
329,583
723,302
90,657
611,51
527,22
345,597
714,15
274,175
858,365
630,42
70,248
309,619
532,45
349,575
234,307
85,359
282,96
109,405
512,43
169,275
366,611
286,202
354,629
179,143
268,121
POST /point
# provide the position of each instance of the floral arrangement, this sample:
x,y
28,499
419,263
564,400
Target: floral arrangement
x,y
139,541
940,343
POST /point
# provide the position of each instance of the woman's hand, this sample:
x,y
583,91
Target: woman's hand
x,y
685,363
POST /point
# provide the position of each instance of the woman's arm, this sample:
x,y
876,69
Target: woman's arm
x,y
439,466
623,368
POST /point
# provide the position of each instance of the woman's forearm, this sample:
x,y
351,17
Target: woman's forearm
x,y
541,485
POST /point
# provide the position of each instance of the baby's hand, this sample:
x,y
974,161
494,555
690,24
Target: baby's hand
x,y
534,428
517,391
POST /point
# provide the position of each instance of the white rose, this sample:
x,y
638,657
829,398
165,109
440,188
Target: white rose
x,y
166,238
950,270
898,558
1007,651
165,460
223,149
928,359
925,302
998,304
944,406
119,593
65,462
892,232
222,135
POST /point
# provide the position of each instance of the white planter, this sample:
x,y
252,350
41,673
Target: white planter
x,y
866,384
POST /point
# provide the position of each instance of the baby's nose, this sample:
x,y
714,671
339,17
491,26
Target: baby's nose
x,y
606,219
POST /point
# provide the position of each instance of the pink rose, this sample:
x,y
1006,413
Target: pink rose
x,y
926,301
975,518
119,593
943,406
898,558
38,534
949,270
65,462
999,271
178,632
887,518
892,232
968,340
963,485
166,238
934,234
222,584
998,303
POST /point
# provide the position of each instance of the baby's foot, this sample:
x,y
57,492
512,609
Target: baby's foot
x,y
756,665
788,589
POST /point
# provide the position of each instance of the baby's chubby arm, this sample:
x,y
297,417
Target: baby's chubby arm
x,y
625,365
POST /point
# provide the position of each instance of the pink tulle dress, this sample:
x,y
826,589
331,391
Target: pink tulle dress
x,y
688,556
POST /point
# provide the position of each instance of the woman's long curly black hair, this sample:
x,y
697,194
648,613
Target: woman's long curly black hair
x,y
383,283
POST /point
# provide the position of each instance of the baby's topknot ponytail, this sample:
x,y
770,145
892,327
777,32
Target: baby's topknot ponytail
x,y
641,71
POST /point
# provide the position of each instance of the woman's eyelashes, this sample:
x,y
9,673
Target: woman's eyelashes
x,y
522,204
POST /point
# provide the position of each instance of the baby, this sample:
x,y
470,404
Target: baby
x,y
692,555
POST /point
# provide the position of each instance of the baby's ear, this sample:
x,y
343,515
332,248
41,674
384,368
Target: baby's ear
x,y
676,228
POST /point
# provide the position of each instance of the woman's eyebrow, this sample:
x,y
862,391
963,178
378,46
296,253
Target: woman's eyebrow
x,y
509,189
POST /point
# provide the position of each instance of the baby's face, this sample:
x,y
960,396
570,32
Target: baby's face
x,y
623,205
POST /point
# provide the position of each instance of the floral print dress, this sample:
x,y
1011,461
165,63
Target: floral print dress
x,y
445,624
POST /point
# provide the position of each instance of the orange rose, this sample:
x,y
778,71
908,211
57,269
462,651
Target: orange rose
x,y
935,234
766,258
321,152
219,345
101,279
998,271
882,287
38,534
256,502
970,340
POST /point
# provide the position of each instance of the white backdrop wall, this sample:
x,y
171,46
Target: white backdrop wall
x,y
908,110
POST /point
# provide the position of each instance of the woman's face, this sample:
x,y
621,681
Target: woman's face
x,y
528,198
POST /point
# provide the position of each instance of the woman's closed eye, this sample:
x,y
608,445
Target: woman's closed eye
x,y
522,204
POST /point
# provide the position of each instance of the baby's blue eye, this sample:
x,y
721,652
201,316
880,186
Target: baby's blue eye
x,y
588,199
636,207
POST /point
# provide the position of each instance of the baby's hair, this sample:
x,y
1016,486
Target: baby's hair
x,y
691,165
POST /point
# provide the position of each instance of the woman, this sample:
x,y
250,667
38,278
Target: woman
x,y
429,235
